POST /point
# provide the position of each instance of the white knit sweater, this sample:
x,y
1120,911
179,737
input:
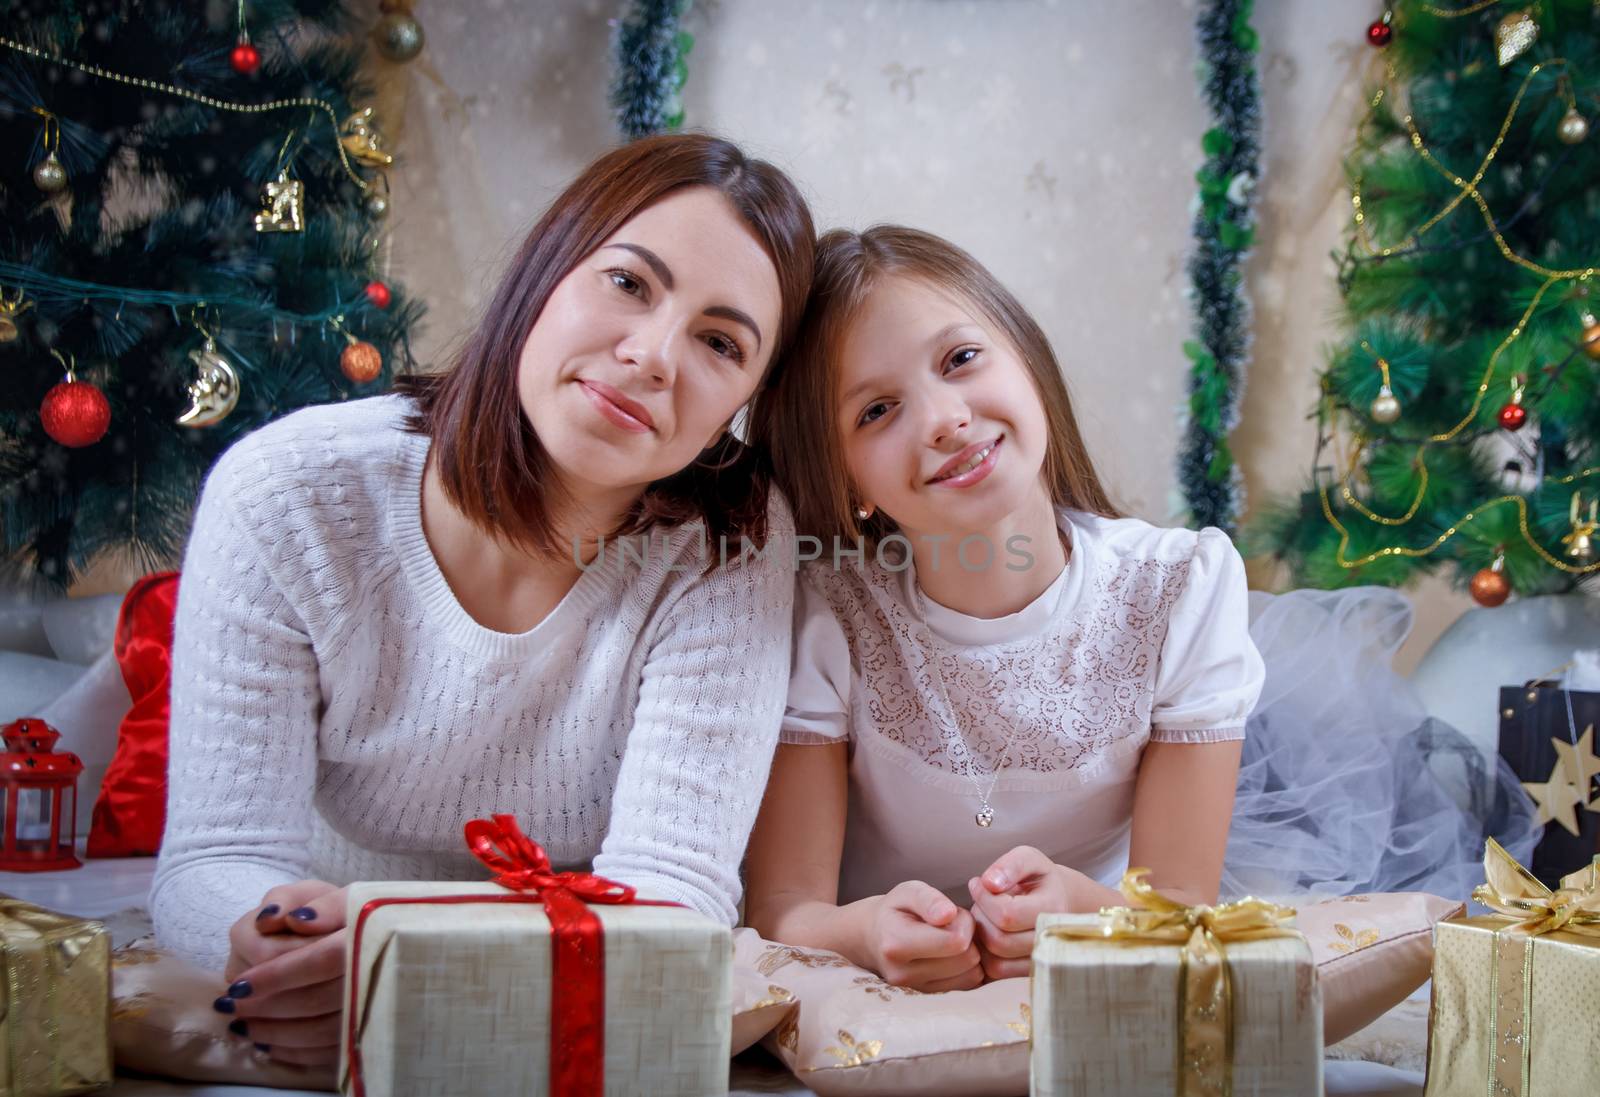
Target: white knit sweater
x,y
337,714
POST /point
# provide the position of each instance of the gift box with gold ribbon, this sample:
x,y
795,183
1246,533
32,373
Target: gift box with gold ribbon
x,y
1516,993
1160,999
540,983
55,1002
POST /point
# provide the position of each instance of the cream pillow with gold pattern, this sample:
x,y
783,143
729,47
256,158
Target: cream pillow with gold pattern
x,y
853,1033
1371,951
162,1022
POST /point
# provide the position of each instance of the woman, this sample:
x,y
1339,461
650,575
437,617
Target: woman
x,y
406,612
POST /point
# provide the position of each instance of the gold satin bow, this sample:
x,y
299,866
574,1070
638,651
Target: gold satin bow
x,y
1513,892
1205,988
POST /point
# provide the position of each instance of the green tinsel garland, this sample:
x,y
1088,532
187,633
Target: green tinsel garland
x,y
1224,229
650,52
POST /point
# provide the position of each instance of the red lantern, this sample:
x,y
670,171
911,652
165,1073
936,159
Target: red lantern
x,y
41,799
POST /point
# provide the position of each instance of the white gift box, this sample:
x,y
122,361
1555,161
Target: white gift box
x,y
456,998
1107,1012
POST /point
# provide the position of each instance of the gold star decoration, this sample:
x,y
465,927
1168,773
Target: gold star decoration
x,y
1579,762
1557,799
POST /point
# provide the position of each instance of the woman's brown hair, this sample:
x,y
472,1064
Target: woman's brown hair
x,y
493,466
796,418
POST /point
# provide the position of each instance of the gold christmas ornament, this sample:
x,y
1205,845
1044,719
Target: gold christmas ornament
x,y
1580,764
285,207
214,392
1591,336
9,311
361,140
1515,35
1580,542
1385,409
1573,128
50,176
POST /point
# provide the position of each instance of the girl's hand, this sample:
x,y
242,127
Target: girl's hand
x,y
287,974
917,938
1008,899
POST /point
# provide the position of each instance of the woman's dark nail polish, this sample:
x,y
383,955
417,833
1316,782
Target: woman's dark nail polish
x,y
241,989
263,1047
239,1028
268,911
223,1005
305,914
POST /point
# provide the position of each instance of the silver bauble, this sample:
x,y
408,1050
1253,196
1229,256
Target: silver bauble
x,y
50,176
1573,128
399,36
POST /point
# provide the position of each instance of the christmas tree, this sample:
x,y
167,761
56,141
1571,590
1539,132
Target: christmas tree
x,y
191,204
1459,418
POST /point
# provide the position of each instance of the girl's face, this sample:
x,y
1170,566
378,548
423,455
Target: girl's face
x,y
648,347
943,429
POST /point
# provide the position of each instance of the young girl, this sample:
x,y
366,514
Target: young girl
x,y
1009,691
402,613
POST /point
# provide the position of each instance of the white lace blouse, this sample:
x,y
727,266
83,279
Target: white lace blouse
x,y
1143,637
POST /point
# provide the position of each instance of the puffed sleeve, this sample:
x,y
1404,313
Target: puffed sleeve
x,y
1210,674
818,709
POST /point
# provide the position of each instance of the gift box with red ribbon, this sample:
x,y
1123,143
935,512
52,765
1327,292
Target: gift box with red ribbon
x,y
538,983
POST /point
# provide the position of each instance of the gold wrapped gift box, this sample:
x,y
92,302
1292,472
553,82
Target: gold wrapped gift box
x,y
1516,994
55,1003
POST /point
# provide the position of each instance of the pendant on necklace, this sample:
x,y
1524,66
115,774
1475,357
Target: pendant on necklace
x,y
985,817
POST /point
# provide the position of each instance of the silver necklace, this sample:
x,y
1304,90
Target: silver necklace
x,y
985,815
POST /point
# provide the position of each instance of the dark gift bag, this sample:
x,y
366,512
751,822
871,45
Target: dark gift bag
x,y
1531,716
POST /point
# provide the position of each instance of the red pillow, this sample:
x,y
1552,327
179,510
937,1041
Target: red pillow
x,y
131,810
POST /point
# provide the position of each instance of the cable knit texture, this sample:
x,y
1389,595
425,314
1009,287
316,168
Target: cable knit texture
x,y
336,713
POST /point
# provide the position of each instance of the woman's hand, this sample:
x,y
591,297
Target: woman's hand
x,y
286,973
1008,899
918,938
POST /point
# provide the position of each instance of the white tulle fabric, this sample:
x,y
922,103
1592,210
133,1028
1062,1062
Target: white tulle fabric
x,y
1347,785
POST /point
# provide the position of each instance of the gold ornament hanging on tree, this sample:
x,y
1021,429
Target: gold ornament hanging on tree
x,y
1580,542
1515,35
360,137
1591,336
1386,408
214,391
285,206
9,311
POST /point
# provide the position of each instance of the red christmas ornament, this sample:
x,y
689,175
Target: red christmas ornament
x,y
1512,416
75,413
245,58
1380,33
379,294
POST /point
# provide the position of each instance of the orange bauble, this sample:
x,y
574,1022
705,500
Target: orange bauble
x,y
361,362
1490,587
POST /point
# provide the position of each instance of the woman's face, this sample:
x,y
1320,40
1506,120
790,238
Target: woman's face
x,y
649,346
943,429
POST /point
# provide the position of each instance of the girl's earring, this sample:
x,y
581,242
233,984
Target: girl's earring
x,y
863,513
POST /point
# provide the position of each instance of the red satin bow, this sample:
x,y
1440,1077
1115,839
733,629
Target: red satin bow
x,y
521,864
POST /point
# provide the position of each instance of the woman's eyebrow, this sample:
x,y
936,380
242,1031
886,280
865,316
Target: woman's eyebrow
x,y
651,259
728,312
